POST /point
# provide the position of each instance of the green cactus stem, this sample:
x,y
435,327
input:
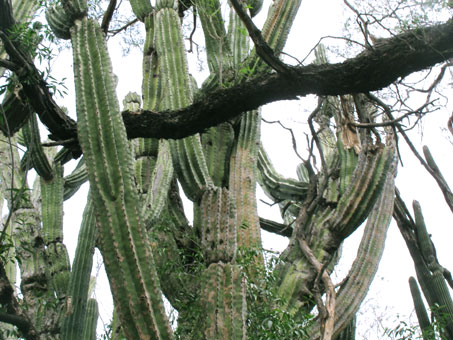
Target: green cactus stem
x,y
218,226
420,310
102,135
76,314
223,299
91,319
37,157
243,182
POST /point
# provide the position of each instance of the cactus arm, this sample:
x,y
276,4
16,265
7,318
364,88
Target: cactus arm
x,y
274,185
363,270
126,250
52,230
188,156
77,311
33,142
276,29
141,8
75,179
216,39
420,310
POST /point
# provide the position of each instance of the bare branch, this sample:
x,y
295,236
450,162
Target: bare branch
x,y
327,310
262,48
108,16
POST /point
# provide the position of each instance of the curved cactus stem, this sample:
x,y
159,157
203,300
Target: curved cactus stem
x,y
420,310
59,21
125,246
328,225
75,179
363,270
76,306
274,185
38,158
141,8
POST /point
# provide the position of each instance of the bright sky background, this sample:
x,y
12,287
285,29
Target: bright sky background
x,y
389,292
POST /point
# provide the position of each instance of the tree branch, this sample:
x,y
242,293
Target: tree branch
x,y
263,50
371,70
108,16
14,314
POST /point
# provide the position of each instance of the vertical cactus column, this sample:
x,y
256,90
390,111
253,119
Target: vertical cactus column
x,y
223,298
125,246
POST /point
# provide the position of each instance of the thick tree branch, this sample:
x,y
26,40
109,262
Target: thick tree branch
x,y
33,86
371,70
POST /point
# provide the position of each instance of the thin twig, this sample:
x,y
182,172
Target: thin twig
x,y
445,190
293,138
122,28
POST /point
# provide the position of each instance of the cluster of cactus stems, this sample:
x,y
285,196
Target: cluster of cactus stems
x,y
435,280
134,213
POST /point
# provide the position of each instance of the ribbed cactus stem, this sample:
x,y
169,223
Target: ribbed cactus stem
x,y
124,243
223,301
276,28
76,306
217,145
188,156
218,226
141,8
91,320
276,186
217,46
35,150
59,21
366,263
243,182
420,310
160,180
75,179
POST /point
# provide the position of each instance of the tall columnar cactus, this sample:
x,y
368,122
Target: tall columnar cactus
x,y
208,272
430,273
